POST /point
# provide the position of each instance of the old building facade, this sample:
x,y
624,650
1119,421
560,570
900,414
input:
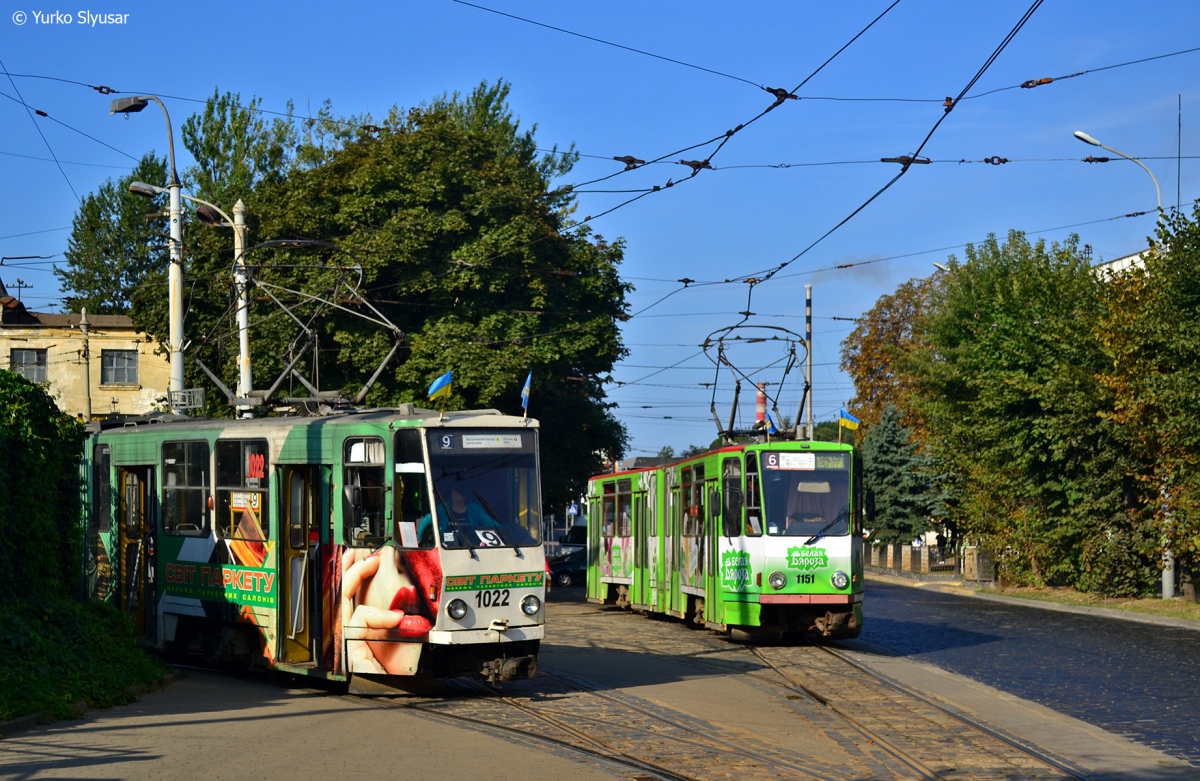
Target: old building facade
x,y
94,365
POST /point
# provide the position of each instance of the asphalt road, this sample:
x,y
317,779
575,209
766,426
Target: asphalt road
x,y
1137,680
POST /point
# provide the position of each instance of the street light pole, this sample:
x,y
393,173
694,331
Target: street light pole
x,y
1168,573
245,380
211,214
129,106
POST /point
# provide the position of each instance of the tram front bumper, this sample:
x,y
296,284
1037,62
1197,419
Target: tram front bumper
x,y
476,636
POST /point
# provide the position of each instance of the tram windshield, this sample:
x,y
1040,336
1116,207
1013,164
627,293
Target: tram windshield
x,y
485,484
806,494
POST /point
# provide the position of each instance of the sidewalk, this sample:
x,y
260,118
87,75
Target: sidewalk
x,y
953,585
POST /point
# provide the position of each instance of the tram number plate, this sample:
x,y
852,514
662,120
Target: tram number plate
x,y
807,578
491,598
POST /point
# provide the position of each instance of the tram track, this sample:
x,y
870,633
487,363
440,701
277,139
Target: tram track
x,y
892,707
881,682
627,733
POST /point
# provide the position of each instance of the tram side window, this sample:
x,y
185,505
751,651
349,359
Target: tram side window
x,y
363,492
698,517
242,493
754,525
185,487
609,510
624,508
102,483
412,496
687,511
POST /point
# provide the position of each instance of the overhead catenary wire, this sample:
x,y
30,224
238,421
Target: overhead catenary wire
x,y
768,274
29,111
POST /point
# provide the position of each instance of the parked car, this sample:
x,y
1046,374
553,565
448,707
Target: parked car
x,y
567,569
574,539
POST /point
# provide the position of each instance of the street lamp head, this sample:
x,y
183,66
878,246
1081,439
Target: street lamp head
x,y
940,266
208,215
127,106
1085,138
145,190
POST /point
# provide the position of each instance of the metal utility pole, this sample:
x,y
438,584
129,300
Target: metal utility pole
x,y
808,357
245,378
87,366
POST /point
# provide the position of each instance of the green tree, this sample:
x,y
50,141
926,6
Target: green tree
x,y
1006,379
113,247
876,352
899,476
1151,334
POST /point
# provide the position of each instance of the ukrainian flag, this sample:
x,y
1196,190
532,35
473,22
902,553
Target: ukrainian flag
x,y
525,392
847,420
771,429
440,386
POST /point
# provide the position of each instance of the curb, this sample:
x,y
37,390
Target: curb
x,y
31,720
959,588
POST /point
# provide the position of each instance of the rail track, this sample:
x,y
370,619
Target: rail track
x,y
890,720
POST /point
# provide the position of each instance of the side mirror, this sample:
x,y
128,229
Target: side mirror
x,y
354,505
714,502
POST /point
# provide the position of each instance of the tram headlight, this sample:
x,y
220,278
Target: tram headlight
x,y
530,605
777,580
840,579
457,609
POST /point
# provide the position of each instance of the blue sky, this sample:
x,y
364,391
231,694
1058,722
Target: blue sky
x,y
765,200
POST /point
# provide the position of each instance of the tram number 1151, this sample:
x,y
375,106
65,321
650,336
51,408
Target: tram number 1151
x,y
491,598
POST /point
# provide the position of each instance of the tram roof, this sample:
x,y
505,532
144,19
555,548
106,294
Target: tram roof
x,y
489,418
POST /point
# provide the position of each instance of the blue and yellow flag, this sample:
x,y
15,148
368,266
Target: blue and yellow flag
x,y
771,429
846,420
525,392
441,386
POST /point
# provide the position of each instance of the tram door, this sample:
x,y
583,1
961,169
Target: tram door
x,y
677,603
137,597
297,605
712,565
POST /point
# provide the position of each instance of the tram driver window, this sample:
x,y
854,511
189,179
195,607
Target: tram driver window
x,y
363,493
242,493
754,527
414,524
185,488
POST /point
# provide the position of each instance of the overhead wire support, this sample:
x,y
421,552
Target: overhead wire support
x,y
916,155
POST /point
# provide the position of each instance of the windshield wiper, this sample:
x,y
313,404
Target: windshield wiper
x,y
816,537
454,524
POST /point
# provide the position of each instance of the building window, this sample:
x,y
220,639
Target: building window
x,y
30,364
118,367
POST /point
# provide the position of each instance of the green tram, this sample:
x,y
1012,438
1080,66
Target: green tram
x,y
758,540
375,545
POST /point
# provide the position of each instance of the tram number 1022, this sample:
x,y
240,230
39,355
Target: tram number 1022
x,y
491,598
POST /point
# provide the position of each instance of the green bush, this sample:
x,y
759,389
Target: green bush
x,y
56,652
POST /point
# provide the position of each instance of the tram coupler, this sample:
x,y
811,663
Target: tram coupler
x,y
515,669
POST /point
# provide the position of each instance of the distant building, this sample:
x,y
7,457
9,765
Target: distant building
x,y
1136,260
127,377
